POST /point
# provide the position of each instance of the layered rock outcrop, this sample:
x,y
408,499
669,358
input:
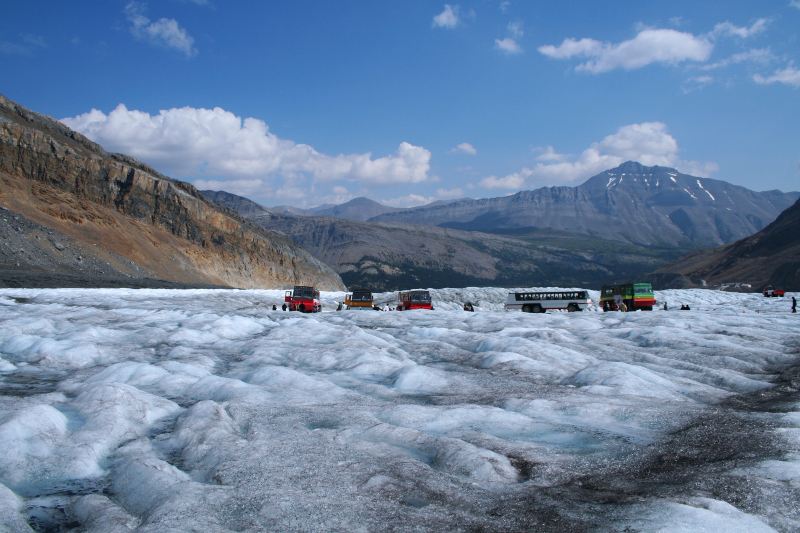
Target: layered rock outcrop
x,y
55,177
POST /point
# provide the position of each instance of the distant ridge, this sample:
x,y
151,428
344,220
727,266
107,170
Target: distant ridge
x,y
360,209
633,203
394,256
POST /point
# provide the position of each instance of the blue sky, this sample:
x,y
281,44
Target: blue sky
x,y
408,102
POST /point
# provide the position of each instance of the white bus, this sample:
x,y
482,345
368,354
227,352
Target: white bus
x,y
539,302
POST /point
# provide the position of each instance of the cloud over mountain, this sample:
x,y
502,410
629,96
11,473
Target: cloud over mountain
x,y
218,145
647,142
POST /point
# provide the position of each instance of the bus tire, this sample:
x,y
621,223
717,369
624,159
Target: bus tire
x,y
538,308
527,309
573,307
301,308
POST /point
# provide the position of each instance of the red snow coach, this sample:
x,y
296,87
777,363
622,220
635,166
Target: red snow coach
x,y
303,299
770,292
408,300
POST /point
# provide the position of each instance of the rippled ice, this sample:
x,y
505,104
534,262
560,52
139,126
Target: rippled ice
x,y
206,410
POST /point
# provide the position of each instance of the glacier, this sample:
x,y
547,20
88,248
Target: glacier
x,y
156,410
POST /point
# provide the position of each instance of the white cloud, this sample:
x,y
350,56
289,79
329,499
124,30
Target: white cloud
x,y
515,29
465,148
449,17
27,45
794,3
787,76
572,47
696,83
449,194
755,55
413,200
214,143
507,45
648,142
338,195
549,154
649,46
505,4
511,181
163,32
510,44
731,30
409,200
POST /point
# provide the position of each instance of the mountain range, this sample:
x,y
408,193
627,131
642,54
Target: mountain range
x,y
360,208
386,256
620,224
74,214
633,203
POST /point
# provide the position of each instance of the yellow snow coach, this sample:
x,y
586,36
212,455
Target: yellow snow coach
x,y
359,299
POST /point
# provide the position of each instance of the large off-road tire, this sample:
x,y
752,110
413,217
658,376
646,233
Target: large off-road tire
x,y
573,307
527,309
301,308
538,308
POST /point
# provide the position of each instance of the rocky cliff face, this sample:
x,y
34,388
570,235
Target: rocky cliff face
x,y
770,257
649,206
55,177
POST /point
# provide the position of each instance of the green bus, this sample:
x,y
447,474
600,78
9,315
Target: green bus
x,y
633,295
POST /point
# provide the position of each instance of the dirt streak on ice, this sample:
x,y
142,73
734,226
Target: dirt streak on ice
x,y
152,409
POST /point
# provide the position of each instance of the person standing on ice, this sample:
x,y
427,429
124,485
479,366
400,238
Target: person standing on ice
x,y
794,304
665,307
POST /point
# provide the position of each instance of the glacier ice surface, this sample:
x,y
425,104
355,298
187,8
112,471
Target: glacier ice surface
x,y
158,409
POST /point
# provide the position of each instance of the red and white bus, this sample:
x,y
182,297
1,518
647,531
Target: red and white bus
x,y
771,292
303,299
408,300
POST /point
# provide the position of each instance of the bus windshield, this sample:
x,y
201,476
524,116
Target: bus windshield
x,y
361,296
643,288
304,292
420,297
